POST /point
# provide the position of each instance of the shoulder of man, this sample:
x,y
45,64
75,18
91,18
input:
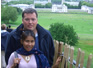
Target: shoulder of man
x,y
42,30
17,30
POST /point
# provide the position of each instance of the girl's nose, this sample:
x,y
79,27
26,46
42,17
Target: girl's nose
x,y
30,43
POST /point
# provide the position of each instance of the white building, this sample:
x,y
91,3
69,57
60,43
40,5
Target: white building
x,y
9,0
73,3
84,8
87,9
23,6
42,2
49,1
90,10
59,8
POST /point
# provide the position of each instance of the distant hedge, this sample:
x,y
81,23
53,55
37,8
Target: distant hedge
x,y
71,6
79,6
64,33
48,5
85,3
39,6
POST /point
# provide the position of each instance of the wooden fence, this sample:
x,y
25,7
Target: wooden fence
x,y
67,54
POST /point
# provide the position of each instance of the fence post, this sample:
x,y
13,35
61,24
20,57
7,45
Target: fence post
x,y
64,58
89,61
67,54
71,57
82,59
78,57
64,64
61,44
61,50
56,50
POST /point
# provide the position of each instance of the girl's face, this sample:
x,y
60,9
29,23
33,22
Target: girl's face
x,y
28,43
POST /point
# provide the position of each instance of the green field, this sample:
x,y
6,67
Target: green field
x,y
81,21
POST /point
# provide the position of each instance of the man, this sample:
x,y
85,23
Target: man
x,y
9,28
43,40
4,35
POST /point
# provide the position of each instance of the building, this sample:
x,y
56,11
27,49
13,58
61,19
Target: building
x,y
72,3
59,8
87,9
42,2
8,0
23,6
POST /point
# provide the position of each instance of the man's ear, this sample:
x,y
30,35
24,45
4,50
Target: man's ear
x,y
21,41
22,20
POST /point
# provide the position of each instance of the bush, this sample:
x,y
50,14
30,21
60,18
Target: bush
x,y
48,5
71,6
39,6
21,2
80,4
64,33
85,3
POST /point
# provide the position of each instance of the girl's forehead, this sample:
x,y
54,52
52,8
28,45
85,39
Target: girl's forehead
x,y
29,37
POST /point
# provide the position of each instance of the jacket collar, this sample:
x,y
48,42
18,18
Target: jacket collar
x,y
41,31
18,30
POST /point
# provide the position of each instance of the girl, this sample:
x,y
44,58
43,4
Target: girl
x,y
28,55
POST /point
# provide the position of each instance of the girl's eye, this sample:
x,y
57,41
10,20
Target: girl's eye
x,y
26,40
32,41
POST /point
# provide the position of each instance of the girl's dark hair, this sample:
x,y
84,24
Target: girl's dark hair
x,y
27,33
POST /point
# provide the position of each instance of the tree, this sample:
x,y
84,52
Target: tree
x,y
64,33
19,10
80,4
48,5
21,2
9,14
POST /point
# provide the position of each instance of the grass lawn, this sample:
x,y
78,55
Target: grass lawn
x,y
82,22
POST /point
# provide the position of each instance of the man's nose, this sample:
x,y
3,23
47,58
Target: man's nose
x,y
30,21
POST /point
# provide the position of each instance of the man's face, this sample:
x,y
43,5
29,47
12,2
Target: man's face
x,y
30,21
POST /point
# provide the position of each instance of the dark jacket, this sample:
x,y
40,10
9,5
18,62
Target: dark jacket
x,y
9,30
46,44
4,37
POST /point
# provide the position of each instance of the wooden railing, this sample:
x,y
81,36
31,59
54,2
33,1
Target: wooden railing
x,y
67,53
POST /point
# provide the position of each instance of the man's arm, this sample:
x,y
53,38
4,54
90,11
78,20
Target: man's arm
x,y
51,49
51,52
9,48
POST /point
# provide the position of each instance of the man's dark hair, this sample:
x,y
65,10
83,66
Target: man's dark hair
x,y
29,10
9,26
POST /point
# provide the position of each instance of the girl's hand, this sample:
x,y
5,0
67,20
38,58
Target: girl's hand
x,y
16,61
58,60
